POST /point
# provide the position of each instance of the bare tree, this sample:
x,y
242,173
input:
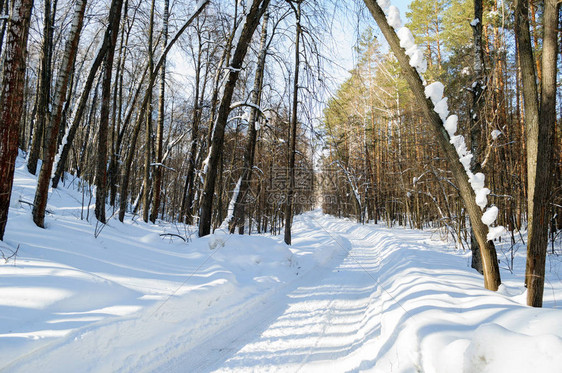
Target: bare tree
x,y
293,132
158,169
44,90
238,214
478,104
252,18
124,190
148,144
80,108
198,94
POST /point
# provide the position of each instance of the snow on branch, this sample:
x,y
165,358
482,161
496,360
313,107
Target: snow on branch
x,y
251,105
434,92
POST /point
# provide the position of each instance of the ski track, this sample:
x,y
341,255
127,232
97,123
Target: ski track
x,y
332,320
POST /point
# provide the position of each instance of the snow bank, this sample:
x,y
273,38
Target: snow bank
x,y
437,317
494,348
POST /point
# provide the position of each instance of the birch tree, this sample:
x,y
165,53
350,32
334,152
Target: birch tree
x,y
238,213
158,169
52,128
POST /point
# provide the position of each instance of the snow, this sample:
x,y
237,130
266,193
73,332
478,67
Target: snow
x,y
474,22
490,216
417,59
393,17
465,161
451,125
477,181
458,142
406,38
205,164
344,297
232,203
384,4
434,91
508,351
482,197
495,134
495,232
442,109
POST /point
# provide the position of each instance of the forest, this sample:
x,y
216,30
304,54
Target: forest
x,y
216,114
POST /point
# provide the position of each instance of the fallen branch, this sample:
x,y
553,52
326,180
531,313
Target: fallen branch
x,y
173,235
13,255
33,205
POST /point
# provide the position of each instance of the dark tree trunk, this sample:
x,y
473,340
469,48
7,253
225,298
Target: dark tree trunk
x,y
540,125
478,104
256,10
11,100
148,125
117,129
101,167
293,133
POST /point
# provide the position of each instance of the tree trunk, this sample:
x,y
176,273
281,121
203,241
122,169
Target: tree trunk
x,y
238,215
257,9
187,195
101,167
11,100
53,125
43,113
116,115
5,11
160,130
540,125
148,125
488,252
478,105
293,131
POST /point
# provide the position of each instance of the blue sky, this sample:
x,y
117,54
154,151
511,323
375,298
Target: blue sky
x,y
347,32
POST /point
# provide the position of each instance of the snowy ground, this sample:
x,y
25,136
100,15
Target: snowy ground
x,y
343,298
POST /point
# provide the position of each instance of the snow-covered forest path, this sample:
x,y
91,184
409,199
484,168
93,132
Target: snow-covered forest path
x,y
398,301
344,297
332,321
